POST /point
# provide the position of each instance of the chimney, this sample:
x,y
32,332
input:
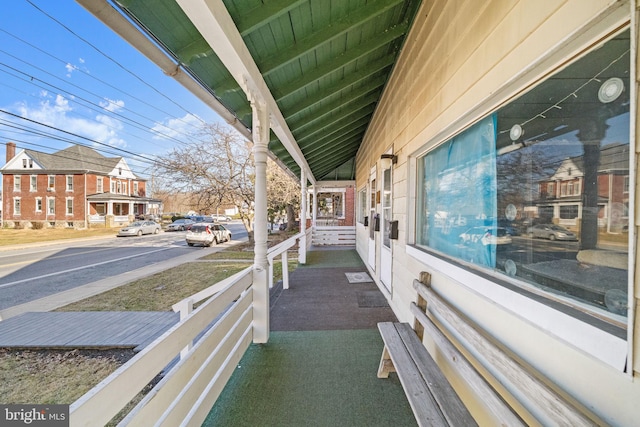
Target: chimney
x,y
11,150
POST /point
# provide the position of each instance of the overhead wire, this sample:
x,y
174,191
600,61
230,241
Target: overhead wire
x,y
89,92
107,56
77,99
91,105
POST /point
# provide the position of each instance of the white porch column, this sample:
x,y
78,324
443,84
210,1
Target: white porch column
x,y
302,245
314,207
260,268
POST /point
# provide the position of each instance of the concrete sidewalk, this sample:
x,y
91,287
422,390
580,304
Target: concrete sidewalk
x,y
81,292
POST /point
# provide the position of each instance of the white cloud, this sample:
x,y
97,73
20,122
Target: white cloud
x,y
178,128
59,113
112,105
70,69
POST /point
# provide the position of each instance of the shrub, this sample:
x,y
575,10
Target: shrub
x,y
39,225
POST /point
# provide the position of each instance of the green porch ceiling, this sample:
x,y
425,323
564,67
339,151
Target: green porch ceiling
x,y
325,62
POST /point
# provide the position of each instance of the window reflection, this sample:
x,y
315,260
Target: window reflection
x,y
540,190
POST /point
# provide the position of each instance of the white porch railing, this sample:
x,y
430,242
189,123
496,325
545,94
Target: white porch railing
x,y
186,393
281,249
96,219
334,236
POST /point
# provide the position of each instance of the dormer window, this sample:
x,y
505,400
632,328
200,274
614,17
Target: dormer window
x,y
24,163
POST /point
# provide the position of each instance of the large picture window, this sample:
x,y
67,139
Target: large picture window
x,y
537,192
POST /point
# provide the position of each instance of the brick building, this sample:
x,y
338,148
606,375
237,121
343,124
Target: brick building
x,y
72,188
561,196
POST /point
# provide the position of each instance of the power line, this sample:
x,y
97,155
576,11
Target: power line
x,y
91,76
92,106
107,56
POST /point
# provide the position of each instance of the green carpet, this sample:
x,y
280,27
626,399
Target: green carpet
x,y
333,258
317,378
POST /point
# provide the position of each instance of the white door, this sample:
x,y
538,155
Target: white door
x,y
371,259
385,228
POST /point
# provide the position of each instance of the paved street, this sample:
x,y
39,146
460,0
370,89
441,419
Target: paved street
x,y
34,272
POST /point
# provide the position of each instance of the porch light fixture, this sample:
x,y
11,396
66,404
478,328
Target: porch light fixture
x,y
387,160
610,90
516,132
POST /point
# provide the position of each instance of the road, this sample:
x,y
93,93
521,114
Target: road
x,y
35,272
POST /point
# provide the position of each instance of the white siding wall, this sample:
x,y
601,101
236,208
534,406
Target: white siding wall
x,y
461,61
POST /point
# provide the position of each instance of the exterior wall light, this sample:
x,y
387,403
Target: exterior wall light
x,y
387,160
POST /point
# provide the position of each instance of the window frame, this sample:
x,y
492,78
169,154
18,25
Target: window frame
x,y
69,183
604,341
17,206
51,205
68,207
17,183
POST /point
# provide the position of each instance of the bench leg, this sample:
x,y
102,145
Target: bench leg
x,y
386,365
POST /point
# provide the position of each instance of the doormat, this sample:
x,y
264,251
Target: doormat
x,y
370,299
358,277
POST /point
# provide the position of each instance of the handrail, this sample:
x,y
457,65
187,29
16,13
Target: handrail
x,y
281,249
230,307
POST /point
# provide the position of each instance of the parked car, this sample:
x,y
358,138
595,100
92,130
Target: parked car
x,y
180,224
139,228
485,236
207,234
200,218
551,232
221,218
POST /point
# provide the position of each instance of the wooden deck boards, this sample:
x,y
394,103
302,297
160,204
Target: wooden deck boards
x,y
102,329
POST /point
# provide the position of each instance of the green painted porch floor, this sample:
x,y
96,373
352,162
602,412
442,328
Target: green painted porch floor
x,y
320,364
312,378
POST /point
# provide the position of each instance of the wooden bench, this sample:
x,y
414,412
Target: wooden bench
x,y
432,398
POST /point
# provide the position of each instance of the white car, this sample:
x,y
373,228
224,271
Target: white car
x,y
485,236
221,218
139,228
206,234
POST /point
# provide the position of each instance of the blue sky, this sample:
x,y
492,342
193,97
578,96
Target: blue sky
x,y
86,80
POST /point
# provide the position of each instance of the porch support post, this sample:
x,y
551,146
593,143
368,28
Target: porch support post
x,y
302,245
315,206
260,267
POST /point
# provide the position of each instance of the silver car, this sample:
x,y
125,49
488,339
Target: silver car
x,y
206,234
180,224
139,228
551,232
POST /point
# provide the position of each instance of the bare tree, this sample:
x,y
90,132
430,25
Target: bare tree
x,y
216,169
283,194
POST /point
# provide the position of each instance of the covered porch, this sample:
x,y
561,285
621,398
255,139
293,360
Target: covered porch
x,y
317,368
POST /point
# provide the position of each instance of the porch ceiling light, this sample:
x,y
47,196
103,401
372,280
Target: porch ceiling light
x,y
610,90
516,132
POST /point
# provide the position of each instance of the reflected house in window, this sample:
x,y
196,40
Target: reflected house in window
x,y
560,197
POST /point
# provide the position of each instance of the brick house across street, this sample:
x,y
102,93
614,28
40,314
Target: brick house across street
x,y
74,187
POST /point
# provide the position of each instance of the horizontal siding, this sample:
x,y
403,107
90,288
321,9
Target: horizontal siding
x,y
461,60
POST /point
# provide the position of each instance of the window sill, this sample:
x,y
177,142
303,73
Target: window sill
x,y
604,345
